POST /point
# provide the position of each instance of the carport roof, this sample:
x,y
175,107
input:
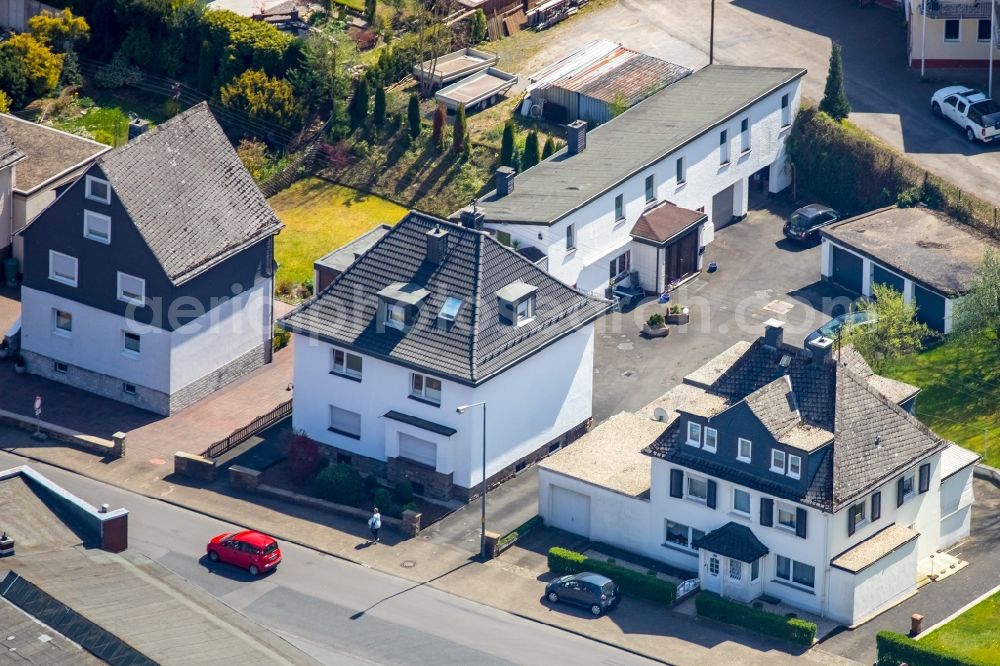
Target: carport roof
x,y
921,244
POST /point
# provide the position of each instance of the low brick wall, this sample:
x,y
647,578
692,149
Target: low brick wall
x,y
244,478
98,445
341,509
194,466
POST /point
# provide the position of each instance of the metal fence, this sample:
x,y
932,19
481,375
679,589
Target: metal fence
x,y
244,433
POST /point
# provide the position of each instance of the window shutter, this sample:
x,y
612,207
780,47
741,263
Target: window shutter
x,y
852,521
766,511
800,523
925,477
711,494
676,483
876,506
899,492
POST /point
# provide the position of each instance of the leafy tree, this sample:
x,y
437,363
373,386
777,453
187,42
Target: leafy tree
x,y
478,31
507,156
531,156
370,6
460,136
4,102
206,68
894,333
243,44
437,128
358,110
253,154
378,108
413,115
59,31
322,77
262,98
618,105
14,78
549,149
979,309
138,47
42,66
835,102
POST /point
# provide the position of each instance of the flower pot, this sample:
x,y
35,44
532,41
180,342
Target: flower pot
x,y
655,331
679,318
19,369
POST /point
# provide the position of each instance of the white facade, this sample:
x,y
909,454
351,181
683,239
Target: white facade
x,y
718,189
168,360
529,405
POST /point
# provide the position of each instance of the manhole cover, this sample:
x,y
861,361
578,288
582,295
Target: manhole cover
x,y
780,307
157,461
408,564
628,373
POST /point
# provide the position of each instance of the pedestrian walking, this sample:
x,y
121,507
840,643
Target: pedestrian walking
x,y
375,524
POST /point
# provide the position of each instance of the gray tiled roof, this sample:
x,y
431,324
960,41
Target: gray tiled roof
x,y
475,267
734,540
8,149
641,136
873,438
188,194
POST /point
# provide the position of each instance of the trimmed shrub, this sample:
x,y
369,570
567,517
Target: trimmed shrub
x,y
340,484
633,583
402,492
303,458
793,630
371,484
895,649
382,498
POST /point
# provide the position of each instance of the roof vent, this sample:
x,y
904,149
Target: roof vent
x,y
785,361
878,441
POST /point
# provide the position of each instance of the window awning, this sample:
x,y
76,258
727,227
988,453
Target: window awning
x,y
418,422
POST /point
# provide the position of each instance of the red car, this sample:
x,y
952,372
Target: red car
x,y
248,550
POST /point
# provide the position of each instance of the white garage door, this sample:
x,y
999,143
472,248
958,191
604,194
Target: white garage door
x,y
570,511
417,450
722,207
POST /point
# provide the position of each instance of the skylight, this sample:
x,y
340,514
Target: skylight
x,y
450,308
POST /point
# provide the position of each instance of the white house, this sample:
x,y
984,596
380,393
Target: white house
x,y
432,317
772,471
700,144
950,33
149,279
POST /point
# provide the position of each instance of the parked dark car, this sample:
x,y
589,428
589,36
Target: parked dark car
x,y
590,590
831,328
805,223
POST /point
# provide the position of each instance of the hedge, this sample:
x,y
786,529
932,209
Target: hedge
x,y
794,630
632,583
895,649
520,531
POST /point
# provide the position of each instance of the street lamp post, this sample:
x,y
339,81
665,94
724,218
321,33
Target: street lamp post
x,y
482,528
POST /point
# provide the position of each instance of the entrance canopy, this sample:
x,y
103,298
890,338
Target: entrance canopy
x,y
733,541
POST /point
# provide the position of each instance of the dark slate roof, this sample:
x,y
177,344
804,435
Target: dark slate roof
x,y
662,223
733,540
188,194
49,153
873,438
9,154
418,422
478,345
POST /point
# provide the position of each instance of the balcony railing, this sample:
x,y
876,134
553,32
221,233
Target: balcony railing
x,y
942,9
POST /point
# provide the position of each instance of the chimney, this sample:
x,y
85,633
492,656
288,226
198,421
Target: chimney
x,y
576,136
774,330
437,245
504,180
473,219
821,349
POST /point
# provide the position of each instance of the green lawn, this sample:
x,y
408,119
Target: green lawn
x,y
319,217
108,125
960,392
973,634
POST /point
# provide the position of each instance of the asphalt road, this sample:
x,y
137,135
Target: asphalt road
x,y
337,611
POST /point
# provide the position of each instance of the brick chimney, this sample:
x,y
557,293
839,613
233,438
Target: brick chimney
x,y
437,245
473,219
504,181
774,331
576,137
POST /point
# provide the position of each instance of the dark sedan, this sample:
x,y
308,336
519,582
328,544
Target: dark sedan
x,y
805,223
593,591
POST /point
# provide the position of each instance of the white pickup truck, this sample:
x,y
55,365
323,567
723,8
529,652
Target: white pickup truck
x,y
970,109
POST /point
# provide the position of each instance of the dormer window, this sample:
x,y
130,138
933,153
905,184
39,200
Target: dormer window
x,y
395,315
794,466
526,309
694,433
399,304
516,303
778,461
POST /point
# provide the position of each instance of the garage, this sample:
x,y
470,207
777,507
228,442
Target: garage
x,y
848,269
888,278
570,511
722,207
418,450
930,307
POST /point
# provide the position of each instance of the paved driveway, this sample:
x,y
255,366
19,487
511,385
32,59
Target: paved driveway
x,y
888,99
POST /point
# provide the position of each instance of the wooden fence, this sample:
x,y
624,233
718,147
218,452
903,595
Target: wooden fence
x,y
241,435
15,13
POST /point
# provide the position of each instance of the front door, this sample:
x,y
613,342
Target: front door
x,y
681,256
712,572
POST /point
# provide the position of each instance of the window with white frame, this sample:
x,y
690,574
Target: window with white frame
x,y
682,535
62,323
786,517
345,363
743,448
425,388
794,466
62,268
952,30
681,171
131,289
650,189
741,501
97,227
713,564
711,439
97,189
131,344
778,461
745,135
395,315
525,309
798,573
860,517
570,237
697,488
754,570
735,569
619,208
620,265
786,111
344,422
724,147
694,433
